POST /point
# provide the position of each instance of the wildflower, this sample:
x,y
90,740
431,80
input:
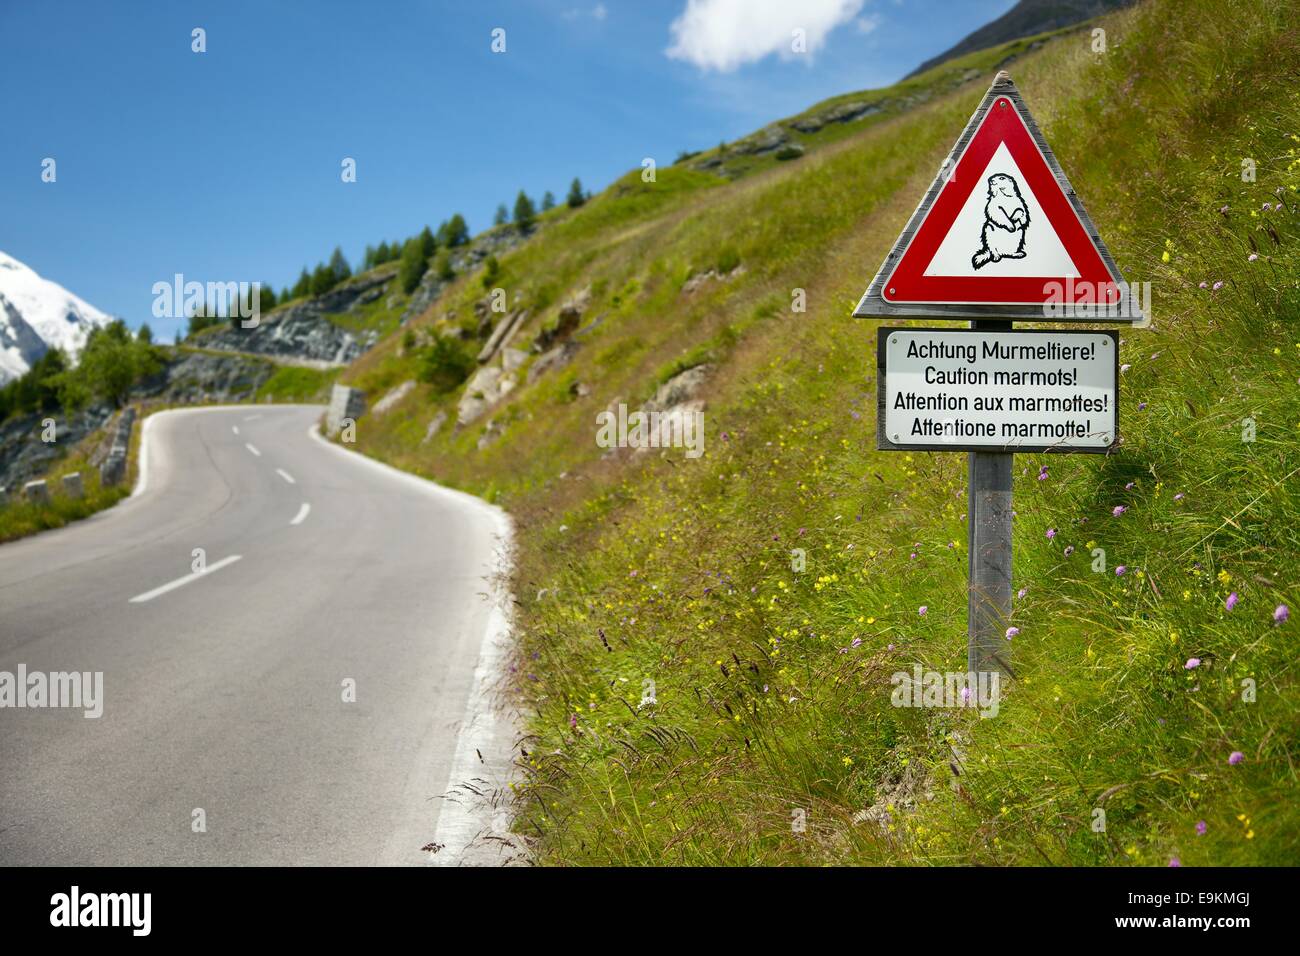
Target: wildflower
x,y
1224,577
1069,550
1012,632
1118,510
1051,533
1174,861
1129,486
857,642
1223,210
1125,367
1236,757
1231,602
1254,255
1179,497
573,720
1281,614
1022,592
1201,828
1192,663
847,761
1205,285
1142,406
1217,286
922,609
1120,569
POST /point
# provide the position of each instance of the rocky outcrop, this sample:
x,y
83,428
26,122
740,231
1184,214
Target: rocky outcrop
x,y
466,258
186,377
840,113
701,278
302,330
392,397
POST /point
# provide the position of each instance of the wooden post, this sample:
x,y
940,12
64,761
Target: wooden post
x,y
988,607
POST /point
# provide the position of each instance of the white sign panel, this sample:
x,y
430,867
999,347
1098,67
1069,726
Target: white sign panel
x,y
956,390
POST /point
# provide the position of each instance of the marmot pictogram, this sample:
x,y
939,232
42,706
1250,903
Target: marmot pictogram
x,y
1005,219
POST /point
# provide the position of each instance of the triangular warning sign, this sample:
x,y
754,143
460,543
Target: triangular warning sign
x,y
1001,234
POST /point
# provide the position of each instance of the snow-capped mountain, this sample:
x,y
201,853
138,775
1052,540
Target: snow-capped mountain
x,y
37,315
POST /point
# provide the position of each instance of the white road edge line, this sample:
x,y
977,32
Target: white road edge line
x,y
285,475
181,582
253,449
484,728
302,514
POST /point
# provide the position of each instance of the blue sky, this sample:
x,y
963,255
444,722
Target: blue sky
x,y
225,165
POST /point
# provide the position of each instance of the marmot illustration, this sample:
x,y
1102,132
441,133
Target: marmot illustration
x,y
1005,219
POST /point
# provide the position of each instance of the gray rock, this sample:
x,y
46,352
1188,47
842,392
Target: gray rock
x,y
512,359
392,397
303,330
555,358
481,393
435,426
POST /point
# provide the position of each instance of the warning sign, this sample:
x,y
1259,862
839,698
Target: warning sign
x,y
969,390
1001,234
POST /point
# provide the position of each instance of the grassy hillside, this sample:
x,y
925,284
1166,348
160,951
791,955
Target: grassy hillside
x,y
772,687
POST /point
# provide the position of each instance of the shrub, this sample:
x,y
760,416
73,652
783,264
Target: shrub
x,y
445,364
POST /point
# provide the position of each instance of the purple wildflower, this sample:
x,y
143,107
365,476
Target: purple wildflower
x,y
1217,286
1129,486
1120,569
1201,828
1012,632
1118,510
1192,663
922,609
1236,757
1051,533
1174,861
1179,497
1281,614
1231,602
1254,255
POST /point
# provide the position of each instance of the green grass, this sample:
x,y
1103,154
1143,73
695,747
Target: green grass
x,y
19,517
290,383
772,686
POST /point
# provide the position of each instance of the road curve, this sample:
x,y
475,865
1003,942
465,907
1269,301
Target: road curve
x,y
224,691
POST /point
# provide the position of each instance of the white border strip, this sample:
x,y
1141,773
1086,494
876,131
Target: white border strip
x,y
483,729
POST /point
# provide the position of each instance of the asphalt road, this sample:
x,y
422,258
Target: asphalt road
x,y
226,693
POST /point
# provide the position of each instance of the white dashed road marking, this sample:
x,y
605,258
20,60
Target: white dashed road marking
x,y
181,582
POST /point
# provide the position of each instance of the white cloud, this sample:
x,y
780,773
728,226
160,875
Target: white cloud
x,y
725,34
